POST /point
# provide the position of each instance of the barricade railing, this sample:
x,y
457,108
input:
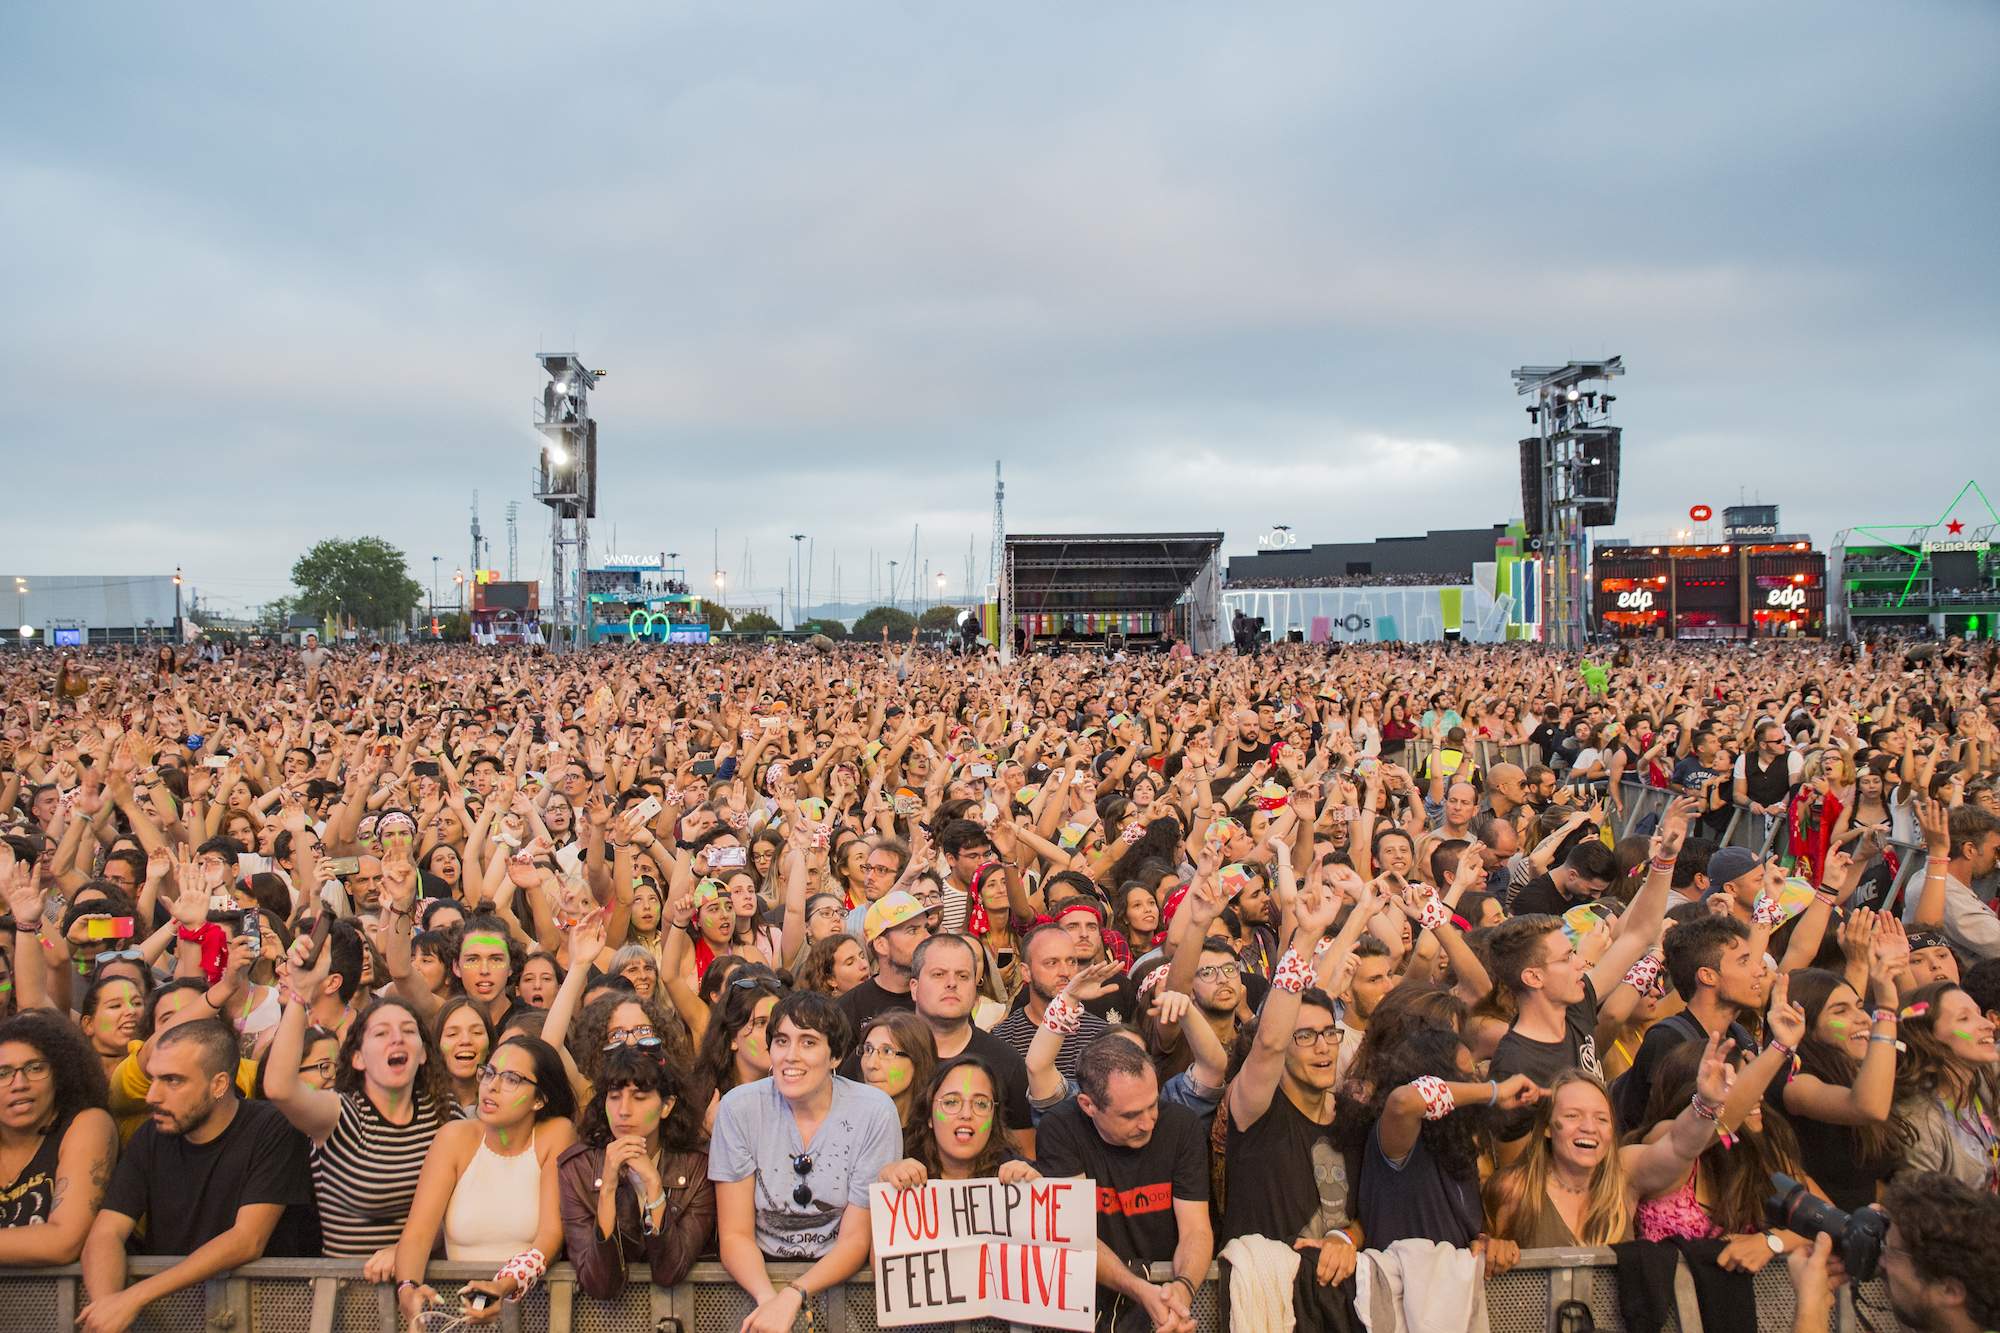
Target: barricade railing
x,y
329,1296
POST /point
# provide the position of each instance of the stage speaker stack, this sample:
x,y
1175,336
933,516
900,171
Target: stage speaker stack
x,y
1597,473
1531,487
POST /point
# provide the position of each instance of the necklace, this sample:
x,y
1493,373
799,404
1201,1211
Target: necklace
x,y
1577,1191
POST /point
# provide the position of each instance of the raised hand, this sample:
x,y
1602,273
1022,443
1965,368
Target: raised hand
x,y
1717,1076
1787,1020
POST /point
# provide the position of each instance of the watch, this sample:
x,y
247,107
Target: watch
x,y
1771,1239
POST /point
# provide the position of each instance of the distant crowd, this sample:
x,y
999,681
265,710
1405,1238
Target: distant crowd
x,y
1419,580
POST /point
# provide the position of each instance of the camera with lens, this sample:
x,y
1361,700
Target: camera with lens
x,y
1858,1237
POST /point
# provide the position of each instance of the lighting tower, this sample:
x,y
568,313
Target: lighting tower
x,y
1576,456
798,576
996,569
567,484
477,563
513,541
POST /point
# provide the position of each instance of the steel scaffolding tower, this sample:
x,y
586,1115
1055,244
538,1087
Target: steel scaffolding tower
x,y
567,484
996,568
513,541
1574,461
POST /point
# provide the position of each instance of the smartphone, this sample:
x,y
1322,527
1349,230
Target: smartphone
x,y
244,921
321,929
704,768
110,928
340,866
648,809
905,802
428,768
979,771
479,1300
768,723
726,858
215,761
714,697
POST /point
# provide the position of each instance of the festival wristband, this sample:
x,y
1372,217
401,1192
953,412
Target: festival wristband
x,y
1884,1016
1437,1097
1663,865
1064,1015
1643,974
1435,914
526,1268
1767,912
1293,973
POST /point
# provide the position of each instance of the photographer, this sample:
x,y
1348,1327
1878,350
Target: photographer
x,y
1937,1260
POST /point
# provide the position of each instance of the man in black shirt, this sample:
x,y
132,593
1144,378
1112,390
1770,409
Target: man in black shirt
x,y
1710,964
894,926
220,1180
1556,997
1150,1162
1583,877
1553,731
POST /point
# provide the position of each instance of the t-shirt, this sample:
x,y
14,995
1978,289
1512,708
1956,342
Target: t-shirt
x,y
312,659
1418,1200
1018,1031
1136,1187
756,1136
366,1173
1296,1184
869,999
1540,895
186,1194
1543,1060
1635,1086
1690,773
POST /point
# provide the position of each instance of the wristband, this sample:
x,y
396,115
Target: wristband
x,y
1704,1110
1663,865
1064,1015
1883,1016
1767,912
1435,914
1643,974
1293,973
526,1268
1437,1096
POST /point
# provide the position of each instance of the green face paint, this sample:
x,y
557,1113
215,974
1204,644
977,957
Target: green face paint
x,y
986,1125
1961,1034
943,1116
493,940
1837,1024
898,1076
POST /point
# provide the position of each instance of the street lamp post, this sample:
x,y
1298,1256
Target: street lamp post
x,y
179,633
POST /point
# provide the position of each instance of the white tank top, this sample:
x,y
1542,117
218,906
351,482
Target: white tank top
x,y
495,1209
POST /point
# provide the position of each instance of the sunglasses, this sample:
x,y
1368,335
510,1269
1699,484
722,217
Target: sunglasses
x,y
802,1163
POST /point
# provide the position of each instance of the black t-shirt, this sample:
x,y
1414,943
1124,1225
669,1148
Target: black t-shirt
x,y
1543,1060
187,1193
1136,1187
1540,894
869,999
1296,1182
1635,1086
1550,737
1418,1200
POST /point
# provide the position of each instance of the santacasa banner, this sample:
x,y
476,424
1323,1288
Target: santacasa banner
x,y
973,1249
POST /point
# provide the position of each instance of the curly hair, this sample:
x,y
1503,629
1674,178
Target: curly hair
x,y
1161,842
432,1081
920,1138
80,1081
634,1067
1455,1140
588,1033
1415,1006
816,969
733,1010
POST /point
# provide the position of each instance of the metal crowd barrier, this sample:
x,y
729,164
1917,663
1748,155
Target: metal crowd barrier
x,y
328,1296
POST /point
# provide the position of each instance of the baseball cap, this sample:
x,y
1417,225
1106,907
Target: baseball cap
x,y
1730,864
889,911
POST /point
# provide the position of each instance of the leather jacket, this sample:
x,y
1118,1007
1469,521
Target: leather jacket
x,y
686,1227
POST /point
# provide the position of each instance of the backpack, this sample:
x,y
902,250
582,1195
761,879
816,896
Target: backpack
x,y
1628,1097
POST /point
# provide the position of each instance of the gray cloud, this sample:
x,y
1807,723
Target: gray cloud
x,y
278,274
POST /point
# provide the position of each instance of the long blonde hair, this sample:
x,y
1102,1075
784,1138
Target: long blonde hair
x,y
1516,1194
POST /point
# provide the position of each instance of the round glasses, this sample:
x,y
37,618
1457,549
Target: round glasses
x,y
507,1078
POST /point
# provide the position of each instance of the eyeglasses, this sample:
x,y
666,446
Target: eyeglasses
x,y
952,1103
508,1079
626,1036
1219,972
1313,1036
884,1051
323,1068
802,1163
830,913
35,1070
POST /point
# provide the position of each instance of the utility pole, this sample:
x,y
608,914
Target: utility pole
x,y
798,574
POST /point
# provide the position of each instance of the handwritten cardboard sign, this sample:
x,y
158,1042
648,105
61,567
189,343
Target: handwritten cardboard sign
x,y
971,1249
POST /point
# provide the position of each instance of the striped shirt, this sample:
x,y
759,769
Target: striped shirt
x,y
365,1175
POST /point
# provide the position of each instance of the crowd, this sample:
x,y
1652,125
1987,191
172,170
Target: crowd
x,y
639,956
1420,579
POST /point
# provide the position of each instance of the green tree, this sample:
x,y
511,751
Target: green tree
x,y
274,614
758,623
939,617
365,578
900,624
718,619
833,629
455,627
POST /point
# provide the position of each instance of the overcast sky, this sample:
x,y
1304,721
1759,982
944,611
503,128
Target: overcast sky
x,y
278,272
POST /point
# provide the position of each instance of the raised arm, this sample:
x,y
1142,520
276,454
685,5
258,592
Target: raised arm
x,y
1264,1067
313,1112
